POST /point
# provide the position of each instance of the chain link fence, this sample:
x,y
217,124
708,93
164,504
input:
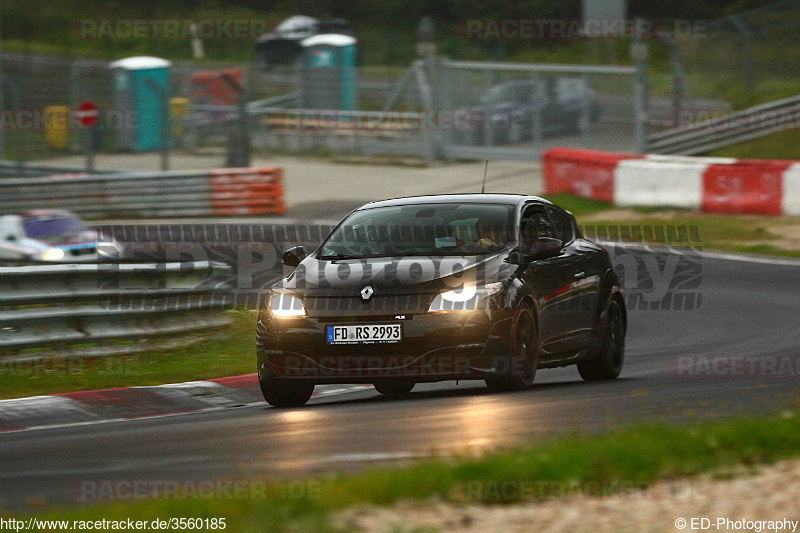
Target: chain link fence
x,y
747,58
435,108
522,109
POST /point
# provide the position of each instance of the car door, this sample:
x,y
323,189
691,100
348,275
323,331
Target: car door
x,y
581,272
547,281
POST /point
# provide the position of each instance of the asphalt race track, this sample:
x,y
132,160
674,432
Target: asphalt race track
x,y
748,309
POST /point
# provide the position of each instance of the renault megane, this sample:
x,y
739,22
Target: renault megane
x,y
433,288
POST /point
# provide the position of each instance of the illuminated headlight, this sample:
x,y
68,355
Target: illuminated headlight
x,y
284,305
467,298
52,254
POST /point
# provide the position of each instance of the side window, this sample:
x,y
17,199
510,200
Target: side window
x,y
563,224
535,224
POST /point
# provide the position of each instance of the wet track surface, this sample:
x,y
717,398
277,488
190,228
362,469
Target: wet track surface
x,y
748,309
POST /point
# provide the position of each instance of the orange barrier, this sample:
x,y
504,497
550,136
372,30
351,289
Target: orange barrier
x,y
247,191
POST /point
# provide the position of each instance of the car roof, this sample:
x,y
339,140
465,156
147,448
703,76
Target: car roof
x,y
506,199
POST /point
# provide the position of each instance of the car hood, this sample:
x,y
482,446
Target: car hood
x,y
403,275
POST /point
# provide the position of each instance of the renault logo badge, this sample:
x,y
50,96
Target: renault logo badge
x,y
366,293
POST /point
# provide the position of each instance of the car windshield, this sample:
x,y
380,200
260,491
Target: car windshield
x,y
43,226
520,92
424,229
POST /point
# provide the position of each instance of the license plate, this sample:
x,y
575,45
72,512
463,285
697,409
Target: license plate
x,y
365,334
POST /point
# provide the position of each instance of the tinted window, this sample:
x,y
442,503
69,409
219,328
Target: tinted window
x,y
563,224
536,224
424,229
51,226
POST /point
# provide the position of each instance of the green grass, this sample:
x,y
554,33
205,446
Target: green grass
x,y
716,232
577,205
227,352
713,229
743,233
634,456
782,145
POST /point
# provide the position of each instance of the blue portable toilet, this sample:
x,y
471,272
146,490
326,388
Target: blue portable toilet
x,y
329,79
138,103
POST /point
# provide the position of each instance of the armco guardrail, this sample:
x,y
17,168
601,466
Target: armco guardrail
x,y
714,185
20,168
49,309
732,128
235,191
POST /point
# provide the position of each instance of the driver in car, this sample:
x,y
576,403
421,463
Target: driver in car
x,y
487,236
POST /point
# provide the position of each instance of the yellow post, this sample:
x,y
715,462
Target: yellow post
x,y
178,110
56,124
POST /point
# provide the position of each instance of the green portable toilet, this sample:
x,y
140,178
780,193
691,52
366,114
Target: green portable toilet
x,y
329,75
138,103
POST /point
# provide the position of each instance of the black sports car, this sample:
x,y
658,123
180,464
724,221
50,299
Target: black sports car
x,y
509,110
434,288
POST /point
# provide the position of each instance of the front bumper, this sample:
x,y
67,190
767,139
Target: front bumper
x,y
435,347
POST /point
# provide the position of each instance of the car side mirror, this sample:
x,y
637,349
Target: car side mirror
x,y
293,256
545,248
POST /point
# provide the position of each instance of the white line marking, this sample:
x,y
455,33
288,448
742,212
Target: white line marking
x,y
326,393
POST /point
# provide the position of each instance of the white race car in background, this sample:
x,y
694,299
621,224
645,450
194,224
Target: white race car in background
x,y
53,236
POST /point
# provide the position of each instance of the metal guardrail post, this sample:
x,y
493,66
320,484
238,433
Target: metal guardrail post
x,y
2,95
586,113
488,130
639,53
240,156
428,103
678,76
446,99
749,63
538,97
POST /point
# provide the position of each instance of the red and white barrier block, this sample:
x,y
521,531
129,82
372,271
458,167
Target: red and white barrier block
x,y
713,185
247,191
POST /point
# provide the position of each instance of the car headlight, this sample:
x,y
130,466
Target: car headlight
x,y
467,298
284,305
52,254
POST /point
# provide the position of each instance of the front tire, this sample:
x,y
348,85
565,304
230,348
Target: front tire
x,y
524,357
286,394
394,389
608,363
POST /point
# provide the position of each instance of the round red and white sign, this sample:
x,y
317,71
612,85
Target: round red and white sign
x,y
87,114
